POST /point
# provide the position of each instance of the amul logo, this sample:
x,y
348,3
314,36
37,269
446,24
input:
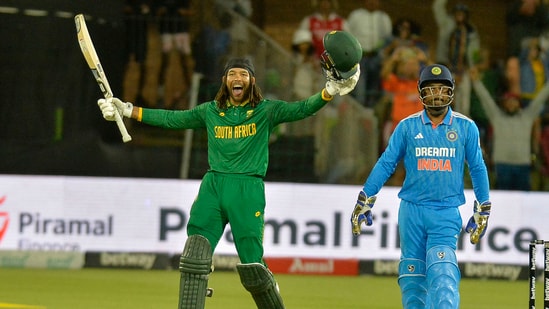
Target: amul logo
x,y
4,219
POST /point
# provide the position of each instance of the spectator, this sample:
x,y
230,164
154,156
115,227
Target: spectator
x,y
525,19
323,20
534,70
212,48
174,27
306,78
373,29
492,78
307,66
457,38
512,127
534,73
239,29
406,33
137,14
464,42
458,45
400,75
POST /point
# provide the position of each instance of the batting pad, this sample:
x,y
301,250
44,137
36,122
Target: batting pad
x,y
195,267
259,281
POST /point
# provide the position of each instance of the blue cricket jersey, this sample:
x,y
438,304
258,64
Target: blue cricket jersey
x,y
434,159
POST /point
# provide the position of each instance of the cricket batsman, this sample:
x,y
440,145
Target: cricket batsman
x,y
435,145
239,122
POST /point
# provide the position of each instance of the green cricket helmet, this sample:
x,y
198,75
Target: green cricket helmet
x,y
341,56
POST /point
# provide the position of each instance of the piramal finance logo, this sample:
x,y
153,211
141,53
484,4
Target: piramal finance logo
x,y
4,219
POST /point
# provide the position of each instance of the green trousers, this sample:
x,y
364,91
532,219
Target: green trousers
x,y
235,199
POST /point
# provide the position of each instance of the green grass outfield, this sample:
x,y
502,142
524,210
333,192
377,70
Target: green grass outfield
x,y
125,289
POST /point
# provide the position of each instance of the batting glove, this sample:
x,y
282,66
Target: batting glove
x,y
479,221
342,86
362,212
108,106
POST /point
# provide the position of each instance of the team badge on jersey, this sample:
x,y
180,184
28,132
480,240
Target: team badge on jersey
x,y
222,114
249,113
452,135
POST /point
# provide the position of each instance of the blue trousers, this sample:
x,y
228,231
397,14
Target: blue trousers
x,y
428,273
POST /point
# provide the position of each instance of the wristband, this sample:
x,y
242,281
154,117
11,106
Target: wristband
x,y
139,114
324,97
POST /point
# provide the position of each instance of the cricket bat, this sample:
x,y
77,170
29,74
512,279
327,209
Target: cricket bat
x,y
88,50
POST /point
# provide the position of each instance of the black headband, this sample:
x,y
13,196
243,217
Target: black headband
x,y
242,63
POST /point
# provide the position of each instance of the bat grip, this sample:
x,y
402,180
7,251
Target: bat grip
x,y
121,127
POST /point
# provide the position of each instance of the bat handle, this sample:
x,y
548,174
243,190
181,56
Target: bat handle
x,y
121,127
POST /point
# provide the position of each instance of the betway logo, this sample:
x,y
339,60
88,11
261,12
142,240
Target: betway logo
x,y
510,272
4,219
144,260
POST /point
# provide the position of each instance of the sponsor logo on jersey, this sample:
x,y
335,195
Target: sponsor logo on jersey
x,y
429,158
435,152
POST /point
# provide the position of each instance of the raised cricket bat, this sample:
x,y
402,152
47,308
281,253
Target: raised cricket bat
x,y
88,50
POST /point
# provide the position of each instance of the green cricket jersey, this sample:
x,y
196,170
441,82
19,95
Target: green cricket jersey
x,y
238,136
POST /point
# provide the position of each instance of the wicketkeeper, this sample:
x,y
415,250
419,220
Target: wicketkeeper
x,y
435,145
239,123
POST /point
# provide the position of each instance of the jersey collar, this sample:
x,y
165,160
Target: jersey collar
x,y
446,121
229,104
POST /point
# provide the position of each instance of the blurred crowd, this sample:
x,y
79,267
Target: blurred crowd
x,y
394,52
201,37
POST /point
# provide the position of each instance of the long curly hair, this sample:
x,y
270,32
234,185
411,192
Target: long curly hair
x,y
223,95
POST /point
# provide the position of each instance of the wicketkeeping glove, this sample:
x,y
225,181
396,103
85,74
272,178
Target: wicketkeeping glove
x,y
479,221
108,106
362,212
342,86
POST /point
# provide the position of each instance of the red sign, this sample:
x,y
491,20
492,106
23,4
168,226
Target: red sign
x,y
313,266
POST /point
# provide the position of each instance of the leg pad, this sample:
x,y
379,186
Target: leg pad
x,y
195,267
443,278
413,284
260,282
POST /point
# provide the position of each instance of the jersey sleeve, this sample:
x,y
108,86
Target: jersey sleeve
x,y
536,106
491,108
292,111
177,119
387,163
477,167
